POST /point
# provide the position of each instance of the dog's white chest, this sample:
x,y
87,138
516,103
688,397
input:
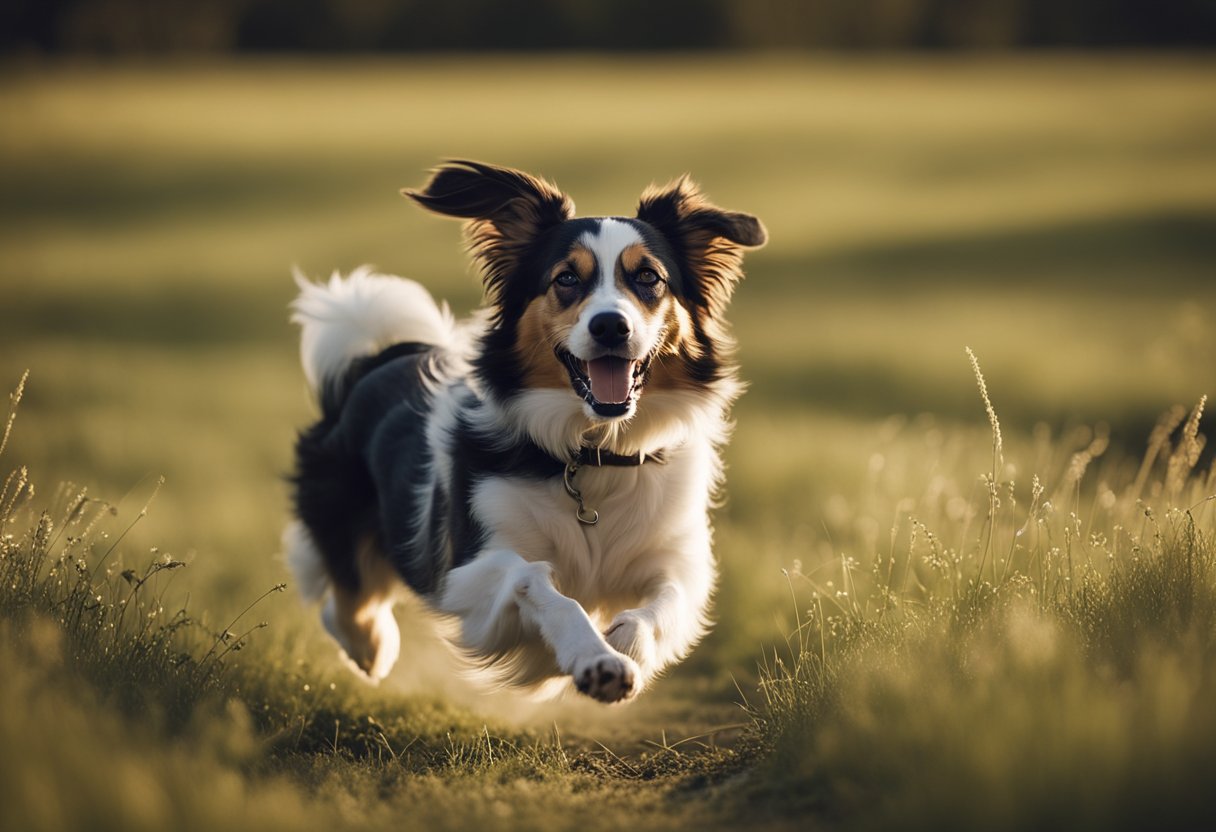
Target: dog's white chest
x,y
646,513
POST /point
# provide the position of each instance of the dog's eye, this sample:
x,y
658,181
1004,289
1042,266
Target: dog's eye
x,y
566,279
647,277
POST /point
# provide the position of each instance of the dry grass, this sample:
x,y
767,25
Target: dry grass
x,y
1039,655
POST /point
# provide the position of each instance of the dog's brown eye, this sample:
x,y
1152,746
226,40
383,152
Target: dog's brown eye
x,y
566,279
647,277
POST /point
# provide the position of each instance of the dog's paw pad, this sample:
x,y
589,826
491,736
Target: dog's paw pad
x,y
606,678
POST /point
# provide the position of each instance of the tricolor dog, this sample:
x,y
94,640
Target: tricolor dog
x,y
542,474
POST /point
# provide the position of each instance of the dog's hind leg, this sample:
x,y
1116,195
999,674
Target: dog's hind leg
x,y
361,619
500,597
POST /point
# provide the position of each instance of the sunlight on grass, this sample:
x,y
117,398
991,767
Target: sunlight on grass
x,y
1011,653
1024,654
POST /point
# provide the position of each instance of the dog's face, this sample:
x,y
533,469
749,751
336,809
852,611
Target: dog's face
x,y
604,307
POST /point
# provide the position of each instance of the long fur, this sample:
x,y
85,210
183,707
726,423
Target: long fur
x,y
359,315
439,461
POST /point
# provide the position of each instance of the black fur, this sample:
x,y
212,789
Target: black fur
x,y
335,493
705,238
476,456
363,468
476,190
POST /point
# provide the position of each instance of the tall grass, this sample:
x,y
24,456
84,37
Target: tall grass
x,y
62,571
1038,655
1046,659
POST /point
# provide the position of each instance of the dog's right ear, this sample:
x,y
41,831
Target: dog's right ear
x,y
507,209
477,191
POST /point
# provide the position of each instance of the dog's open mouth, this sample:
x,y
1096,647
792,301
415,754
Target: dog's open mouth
x,y
610,383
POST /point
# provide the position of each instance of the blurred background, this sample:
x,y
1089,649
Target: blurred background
x,y
1034,179
124,26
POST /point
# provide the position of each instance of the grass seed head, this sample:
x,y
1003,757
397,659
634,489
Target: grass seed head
x,y
997,442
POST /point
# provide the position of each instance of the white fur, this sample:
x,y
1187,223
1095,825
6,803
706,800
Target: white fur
x,y
509,606
305,562
643,575
649,553
359,315
557,422
606,245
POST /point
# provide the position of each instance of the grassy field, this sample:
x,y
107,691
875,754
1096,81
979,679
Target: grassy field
x,y
911,632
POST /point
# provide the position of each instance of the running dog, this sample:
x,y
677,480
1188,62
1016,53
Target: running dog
x,y
542,474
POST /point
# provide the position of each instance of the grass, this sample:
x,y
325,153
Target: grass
x,y
1045,660
1038,655
1055,213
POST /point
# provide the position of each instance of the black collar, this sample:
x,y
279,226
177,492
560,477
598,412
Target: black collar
x,y
598,458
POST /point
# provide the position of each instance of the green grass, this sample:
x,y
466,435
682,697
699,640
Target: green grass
x,y
1042,654
1047,665
1054,213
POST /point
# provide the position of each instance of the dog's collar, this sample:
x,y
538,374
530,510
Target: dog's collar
x,y
598,457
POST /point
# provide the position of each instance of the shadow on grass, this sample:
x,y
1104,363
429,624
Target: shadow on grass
x,y
1154,252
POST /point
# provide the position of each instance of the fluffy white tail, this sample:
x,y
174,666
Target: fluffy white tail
x,y
359,315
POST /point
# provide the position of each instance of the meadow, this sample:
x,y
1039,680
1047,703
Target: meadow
x,y
917,621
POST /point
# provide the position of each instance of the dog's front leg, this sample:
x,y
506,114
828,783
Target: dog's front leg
x,y
667,625
500,597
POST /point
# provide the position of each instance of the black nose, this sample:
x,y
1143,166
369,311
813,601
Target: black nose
x,y
610,329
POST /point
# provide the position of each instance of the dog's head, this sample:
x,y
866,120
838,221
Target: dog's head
x,y
605,307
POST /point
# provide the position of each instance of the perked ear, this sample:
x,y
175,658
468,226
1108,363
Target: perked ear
x,y
507,209
710,238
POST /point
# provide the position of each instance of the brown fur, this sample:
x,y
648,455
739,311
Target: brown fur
x,y
506,210
545,321
357,608
668,372
637,257
580,260
712,238
539,329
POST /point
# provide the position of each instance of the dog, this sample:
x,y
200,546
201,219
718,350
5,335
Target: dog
x,y
542,474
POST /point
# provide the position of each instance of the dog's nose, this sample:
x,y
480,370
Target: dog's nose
x,y
610,329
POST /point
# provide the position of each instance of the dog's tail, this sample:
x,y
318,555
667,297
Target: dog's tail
x,y
360,315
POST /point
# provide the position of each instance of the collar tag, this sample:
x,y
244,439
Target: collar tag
x,y
586,516
598,457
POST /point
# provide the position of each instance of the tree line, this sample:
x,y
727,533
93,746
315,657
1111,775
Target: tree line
x,y
151,26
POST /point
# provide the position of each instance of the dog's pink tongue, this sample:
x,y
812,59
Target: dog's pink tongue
x,y
610,378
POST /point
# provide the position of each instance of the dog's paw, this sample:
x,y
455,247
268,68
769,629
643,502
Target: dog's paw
x,y
630,634
608,677
370,647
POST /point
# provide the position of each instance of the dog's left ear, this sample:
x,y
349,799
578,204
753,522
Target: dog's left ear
x,y
507,210
710,239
